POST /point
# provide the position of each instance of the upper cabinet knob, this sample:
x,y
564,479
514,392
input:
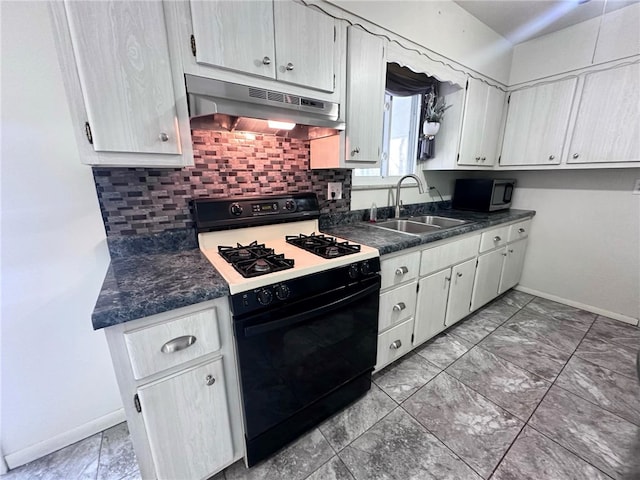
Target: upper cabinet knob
x,y
552,157
164,137
576,155
483,159
266,61
289,66
355,151
477,159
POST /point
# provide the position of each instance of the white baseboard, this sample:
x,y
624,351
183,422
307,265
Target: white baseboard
x,y
572,303
50,445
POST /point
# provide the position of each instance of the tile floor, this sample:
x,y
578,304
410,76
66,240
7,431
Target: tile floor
x,y
523,389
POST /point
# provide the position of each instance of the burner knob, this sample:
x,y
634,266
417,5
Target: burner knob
x,y
353,270
282,292
235,209
290,206
365,268
264,297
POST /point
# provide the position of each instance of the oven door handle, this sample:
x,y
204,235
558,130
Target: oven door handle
x,y
299,318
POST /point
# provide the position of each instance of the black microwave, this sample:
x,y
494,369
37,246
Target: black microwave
x,y
482,195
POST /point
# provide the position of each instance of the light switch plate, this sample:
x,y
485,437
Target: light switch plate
x,y
334,191
636,188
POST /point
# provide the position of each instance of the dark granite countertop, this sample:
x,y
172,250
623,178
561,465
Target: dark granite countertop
x,y
141,285
388,241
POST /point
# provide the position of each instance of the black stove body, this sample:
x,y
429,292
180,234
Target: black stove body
x,y
306,346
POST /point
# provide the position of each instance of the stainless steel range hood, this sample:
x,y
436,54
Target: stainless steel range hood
x,y
225,106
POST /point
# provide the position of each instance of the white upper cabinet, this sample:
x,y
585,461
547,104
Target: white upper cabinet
x,y
537,122
366,73
281,40
126,100
481,124
606,128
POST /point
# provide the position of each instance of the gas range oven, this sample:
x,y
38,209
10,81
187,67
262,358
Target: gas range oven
x,y
304,308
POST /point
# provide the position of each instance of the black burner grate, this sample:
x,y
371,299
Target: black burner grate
x,y
323,246
254,259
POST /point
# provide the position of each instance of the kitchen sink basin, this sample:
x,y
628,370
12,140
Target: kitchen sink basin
x,y
442,222
407,226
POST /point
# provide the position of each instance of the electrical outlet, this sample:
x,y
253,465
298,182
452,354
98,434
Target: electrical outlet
x,y
636,187
334,191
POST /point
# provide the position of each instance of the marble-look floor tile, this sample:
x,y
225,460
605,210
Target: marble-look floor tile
x,y
578,319
117,459
530,354
609,355
533,456
615,331
614,392
555,333
603,439
353,421
474,328
443,350
499,310
77,461
399,448
516,299
475,429
334,469
295,462
403,378
502,382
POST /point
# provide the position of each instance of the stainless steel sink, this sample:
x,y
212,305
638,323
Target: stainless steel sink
x,y
407,226
442,222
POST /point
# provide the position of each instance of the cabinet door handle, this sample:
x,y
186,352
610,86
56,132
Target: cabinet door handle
x,y
510,251
289,66
164,137
177,344
521,230
483,159
477,159
395,345
504,254
355,151
398,307
266,61
458,274
210,380
496,238
576,155
552,157
401,270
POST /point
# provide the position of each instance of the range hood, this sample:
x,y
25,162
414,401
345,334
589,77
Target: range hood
x,y
225,106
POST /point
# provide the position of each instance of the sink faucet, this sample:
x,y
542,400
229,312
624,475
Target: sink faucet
x,y
398,202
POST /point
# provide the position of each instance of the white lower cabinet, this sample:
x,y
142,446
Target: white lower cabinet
x,y
174,416
487,277
458,305
512,266
433,293
177,376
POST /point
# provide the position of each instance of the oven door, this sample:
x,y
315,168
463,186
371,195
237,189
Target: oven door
x,y
295,355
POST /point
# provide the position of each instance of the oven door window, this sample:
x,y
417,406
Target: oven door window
x,y
292,357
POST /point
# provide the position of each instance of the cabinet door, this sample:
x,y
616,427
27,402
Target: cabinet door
x,y
122,56
305,42
537,122
473,123
513,263
492,124
187,422
606,128
235,35
487,280
366,70
433,292
460,293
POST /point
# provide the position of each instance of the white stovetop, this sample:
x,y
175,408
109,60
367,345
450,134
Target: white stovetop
x,y
273,236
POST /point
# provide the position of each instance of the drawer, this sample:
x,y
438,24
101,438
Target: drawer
x,y
400,269
165,345
519,230
494,238
397,305
394,343
443,256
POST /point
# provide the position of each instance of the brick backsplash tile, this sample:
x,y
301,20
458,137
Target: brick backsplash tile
x,y
140,201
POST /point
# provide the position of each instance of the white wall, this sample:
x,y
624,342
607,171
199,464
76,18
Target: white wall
x,y
443,27
57,381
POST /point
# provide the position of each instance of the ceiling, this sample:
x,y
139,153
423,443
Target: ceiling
x,y
521,20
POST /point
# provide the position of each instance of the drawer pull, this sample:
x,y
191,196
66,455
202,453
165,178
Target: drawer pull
x,y
496,238
398,307
395,345
521,230
401,270
210,380
177,344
